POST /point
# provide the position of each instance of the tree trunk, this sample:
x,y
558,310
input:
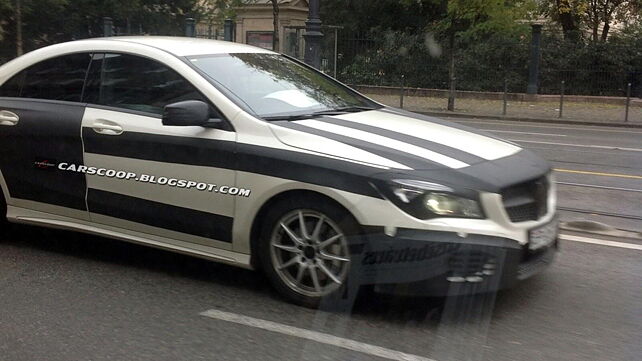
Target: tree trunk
x,y
19,48
567,21
605,31
595,20
275,13
608,13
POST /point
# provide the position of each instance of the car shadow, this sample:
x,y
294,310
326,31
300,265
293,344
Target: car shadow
x,y
367,305
131,255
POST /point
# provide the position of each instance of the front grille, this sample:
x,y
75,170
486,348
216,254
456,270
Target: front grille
x,y
526,201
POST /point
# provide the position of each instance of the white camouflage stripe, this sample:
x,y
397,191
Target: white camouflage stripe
x,y
476,144
385,142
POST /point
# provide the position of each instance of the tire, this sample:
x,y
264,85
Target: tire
x,y
306,268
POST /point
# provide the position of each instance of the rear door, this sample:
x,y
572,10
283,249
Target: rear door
x,y
40,122
146,177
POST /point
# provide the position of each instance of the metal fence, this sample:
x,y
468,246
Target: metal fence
x,y
364,59
490,78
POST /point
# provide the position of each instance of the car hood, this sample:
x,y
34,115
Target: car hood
x,y
394,139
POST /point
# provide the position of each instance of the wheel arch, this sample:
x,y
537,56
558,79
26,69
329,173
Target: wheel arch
x,y
288,194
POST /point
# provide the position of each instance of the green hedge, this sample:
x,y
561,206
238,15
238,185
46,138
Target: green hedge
x,y
483,65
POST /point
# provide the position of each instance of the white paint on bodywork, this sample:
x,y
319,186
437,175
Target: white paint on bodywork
x,y
185,46
371,211
191,198
476,144
312,142
151,125
385,142
134,233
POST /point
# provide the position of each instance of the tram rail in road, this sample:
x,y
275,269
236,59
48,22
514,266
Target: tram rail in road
x,y
600,187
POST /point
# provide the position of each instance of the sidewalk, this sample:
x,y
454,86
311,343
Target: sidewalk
x,y
573,112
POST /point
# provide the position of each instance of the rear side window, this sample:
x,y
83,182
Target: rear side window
x,y
136,83
13,86
60,78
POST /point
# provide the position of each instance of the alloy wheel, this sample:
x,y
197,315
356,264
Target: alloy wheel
x,y
309,253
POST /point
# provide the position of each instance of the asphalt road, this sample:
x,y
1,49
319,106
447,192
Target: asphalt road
x,y
599,169
68,296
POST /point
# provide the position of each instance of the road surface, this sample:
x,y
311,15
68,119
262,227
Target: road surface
x,y
67,296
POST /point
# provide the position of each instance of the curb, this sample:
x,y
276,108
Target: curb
x,y
523,119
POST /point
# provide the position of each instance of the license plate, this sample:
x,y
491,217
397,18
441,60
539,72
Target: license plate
x,y
543,236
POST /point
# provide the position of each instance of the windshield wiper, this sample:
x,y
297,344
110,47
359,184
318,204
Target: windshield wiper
x,y
354,109
289,117
342,110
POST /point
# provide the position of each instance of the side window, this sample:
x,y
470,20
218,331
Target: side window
x,y
13,86
137,83
60,78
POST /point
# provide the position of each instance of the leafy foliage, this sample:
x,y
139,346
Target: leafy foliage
x,y
382,40
491,40
482,64
216,11
65,20
597,16
474,18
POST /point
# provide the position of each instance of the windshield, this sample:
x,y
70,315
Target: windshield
x,y
273,85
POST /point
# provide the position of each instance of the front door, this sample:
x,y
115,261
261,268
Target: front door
x,y
146,177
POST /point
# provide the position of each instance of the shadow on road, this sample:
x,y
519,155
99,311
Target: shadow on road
x,y
368,305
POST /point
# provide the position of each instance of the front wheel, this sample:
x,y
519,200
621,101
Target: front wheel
x,y
304,249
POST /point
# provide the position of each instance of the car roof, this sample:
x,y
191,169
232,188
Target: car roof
x,y
149,45
184,46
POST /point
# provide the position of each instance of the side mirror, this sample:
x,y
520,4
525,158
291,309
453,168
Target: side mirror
x,y
186,113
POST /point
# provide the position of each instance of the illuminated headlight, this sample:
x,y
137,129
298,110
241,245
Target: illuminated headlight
x,y
425,200
449,205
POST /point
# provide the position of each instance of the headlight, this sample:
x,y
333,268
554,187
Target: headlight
x,y
426,200
450,205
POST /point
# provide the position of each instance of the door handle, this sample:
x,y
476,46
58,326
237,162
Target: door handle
x,y
8,118
107,128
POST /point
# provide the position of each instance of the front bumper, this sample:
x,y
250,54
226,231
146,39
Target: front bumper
x,y
436,263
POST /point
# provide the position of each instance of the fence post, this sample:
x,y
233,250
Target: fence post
x,y
505,96
336,48
533,66
451,95
628,102
108,26
190,27
562,89
402,91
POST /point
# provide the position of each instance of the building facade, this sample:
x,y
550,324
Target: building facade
x,y
253,24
